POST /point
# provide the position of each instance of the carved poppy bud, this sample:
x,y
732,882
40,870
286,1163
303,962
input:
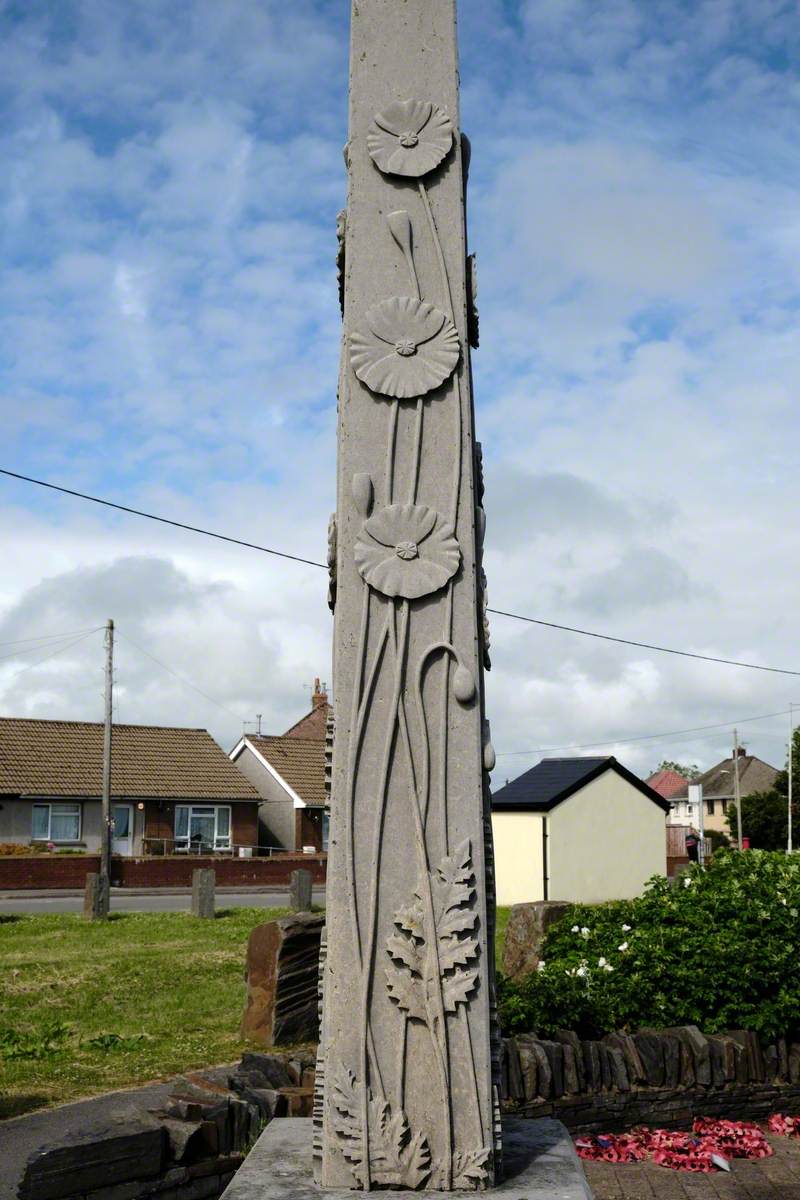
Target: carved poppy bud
x,y
463,684
362,492
489,757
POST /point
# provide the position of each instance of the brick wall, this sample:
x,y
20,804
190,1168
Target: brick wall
x,y
69,871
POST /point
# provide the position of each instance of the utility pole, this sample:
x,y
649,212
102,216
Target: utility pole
x,y
101,904
791,757
736,792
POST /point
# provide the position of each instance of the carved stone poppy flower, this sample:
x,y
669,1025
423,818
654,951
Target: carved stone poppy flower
x,y
407,550
410,137
404,347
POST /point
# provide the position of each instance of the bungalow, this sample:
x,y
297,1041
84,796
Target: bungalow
x,y
577,829
290,773
172,789
717,782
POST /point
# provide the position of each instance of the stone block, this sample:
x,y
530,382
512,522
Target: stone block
x,y
771,1061
572,1077
203,887
516,1085
698,1047
282,969
525,932
651,1052
184,1138
300,889
756,1069
783,1060
96,896
555,1057
633,1060
794,1062
568,1038
267,1070
672,1060
619,1072
605,1067
543,1070
530,1071
300,1101
591,1066
90,1160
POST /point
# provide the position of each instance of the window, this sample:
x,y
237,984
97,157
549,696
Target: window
x,y
710,807
724,804
202,827
56,823
690,810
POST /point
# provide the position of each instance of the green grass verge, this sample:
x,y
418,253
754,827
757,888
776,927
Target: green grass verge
x,y
86,1007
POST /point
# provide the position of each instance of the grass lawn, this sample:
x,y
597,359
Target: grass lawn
x,y
87,1007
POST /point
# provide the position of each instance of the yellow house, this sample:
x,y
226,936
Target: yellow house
x,y
577,829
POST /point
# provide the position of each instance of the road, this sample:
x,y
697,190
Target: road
x,y
146,901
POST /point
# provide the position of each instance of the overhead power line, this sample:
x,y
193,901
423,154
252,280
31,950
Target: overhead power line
x,y
47,637
138,512
643,737
181,678
498,612
53,653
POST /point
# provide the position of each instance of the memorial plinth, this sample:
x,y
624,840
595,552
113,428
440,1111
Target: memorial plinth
x,y
539,1159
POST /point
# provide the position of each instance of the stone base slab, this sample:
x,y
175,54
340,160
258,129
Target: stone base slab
x,y
539,1163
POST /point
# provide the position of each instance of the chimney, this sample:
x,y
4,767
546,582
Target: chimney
x,y
320,695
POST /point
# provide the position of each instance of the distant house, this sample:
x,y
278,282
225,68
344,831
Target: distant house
x,y
577,829
668,783
289,772
755,775
172,789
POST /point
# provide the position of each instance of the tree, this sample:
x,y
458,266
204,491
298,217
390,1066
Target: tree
x,y
765,815
688,772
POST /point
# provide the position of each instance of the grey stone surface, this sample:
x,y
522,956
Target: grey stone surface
x,y
525,932
204,881
300,886
281,972
409,974
539,1159
133,1149
96,896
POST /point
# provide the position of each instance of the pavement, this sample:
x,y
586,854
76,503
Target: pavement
x,y
147,900
776,1178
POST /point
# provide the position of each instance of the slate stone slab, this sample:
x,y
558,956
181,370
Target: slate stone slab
x,y
123,1152
526,930
539,1160
282,970
651,1051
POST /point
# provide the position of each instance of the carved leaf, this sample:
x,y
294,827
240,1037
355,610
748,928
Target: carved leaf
x,y
408,992
412,979
469,1168
457,987
397,1158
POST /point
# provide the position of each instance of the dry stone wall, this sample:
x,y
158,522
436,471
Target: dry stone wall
x,y
661,1077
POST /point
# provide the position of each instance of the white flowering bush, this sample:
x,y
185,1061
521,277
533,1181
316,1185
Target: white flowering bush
x,y
720,950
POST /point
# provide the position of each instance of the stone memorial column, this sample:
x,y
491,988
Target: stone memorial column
x,y
405,1095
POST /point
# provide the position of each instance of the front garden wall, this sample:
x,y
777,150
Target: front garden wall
x,y
69,871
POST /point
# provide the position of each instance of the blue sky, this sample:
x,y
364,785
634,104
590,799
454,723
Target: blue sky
x,y
169,338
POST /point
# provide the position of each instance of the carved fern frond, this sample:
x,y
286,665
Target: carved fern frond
x,y
412,976
469,1168
397,1158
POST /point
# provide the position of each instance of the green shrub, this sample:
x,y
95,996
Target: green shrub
x,y
720,948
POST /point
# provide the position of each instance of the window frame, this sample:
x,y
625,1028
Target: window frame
x,y
221,843
74,808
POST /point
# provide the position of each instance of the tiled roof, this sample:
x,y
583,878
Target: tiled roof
x,y
312,725
754,776
555,779
668,783
64,758
300,761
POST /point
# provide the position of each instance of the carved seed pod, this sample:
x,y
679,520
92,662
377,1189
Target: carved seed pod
x,y
362,492
463,684
480,524
489,757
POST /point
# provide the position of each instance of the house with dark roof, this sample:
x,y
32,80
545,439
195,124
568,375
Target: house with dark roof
x,y
717,782
173,790
577,829
289,773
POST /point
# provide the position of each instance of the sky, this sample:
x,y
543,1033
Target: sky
x,y
169,339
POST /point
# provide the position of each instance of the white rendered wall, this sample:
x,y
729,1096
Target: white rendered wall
x,y
605,842
518,857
